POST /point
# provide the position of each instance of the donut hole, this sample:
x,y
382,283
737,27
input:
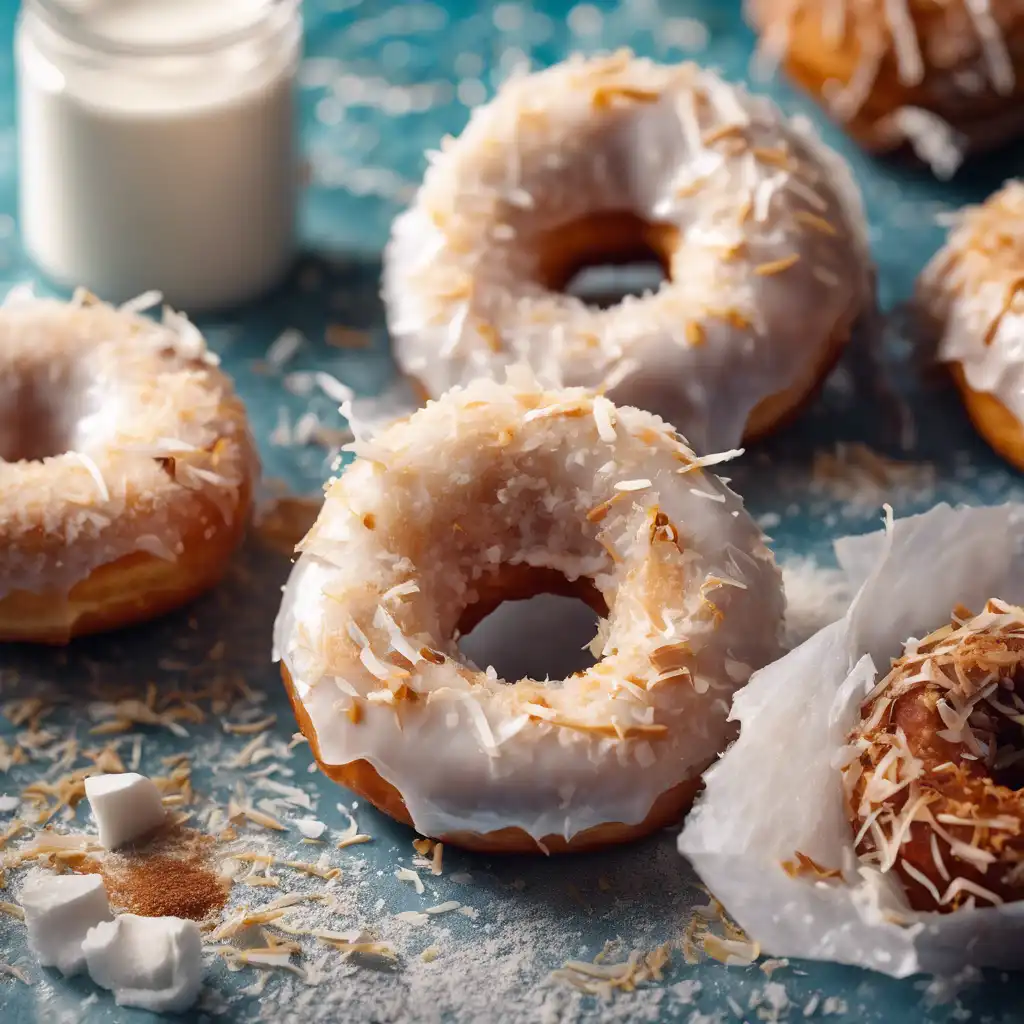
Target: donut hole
x,y
601,258
40,413
1008,765
529,622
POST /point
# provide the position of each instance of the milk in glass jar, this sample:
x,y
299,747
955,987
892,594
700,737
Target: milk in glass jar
x,y
157,145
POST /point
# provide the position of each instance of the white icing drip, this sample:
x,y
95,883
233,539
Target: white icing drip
x,y
670,145
472,752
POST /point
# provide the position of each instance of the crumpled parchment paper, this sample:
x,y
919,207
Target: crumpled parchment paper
x,y
777,789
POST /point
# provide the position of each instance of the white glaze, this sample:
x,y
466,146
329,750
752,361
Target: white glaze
x,y
971,292
518,469
620,134
121,392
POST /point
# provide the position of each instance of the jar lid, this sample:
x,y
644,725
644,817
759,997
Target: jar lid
x,y
159,26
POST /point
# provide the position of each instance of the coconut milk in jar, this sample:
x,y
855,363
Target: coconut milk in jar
x,y
157,145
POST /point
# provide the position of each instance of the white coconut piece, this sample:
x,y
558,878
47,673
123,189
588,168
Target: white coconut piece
x,y
59,911
125,805
778,789
310,827
154,963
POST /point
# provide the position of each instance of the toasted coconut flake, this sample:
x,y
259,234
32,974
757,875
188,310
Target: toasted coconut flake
x,y
263,820
248,728
802,865
731,952
412,877
777,266
15,972
12,910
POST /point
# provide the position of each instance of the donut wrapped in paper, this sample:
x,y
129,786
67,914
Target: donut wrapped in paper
x,y
772,836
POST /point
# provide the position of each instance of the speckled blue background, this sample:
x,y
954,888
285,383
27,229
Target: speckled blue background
x,y
381,83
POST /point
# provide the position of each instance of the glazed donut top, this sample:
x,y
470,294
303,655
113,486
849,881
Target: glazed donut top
x,y
117,434
562,481
972,290
762,225
961,40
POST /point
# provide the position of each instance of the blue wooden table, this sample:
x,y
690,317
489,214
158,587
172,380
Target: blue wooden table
x,y
381,83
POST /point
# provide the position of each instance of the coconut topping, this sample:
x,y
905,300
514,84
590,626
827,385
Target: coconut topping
x,y
750,213
933,766
118,434
529,482
936,55
971,292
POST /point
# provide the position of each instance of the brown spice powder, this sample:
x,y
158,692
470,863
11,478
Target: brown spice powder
x,y
170,875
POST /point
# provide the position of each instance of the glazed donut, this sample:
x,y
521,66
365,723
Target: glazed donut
x,y
603,160
126,467
941,75
536,491
933,793
971,303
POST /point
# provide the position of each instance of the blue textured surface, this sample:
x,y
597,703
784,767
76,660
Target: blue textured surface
x,y
383,82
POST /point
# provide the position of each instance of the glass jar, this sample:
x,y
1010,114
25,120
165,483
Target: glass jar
x,y
157,145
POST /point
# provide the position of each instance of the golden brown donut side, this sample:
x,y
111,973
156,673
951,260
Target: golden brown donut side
x,y
132,589
996,424
783,407
364,780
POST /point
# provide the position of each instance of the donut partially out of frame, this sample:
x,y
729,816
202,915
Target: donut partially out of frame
x,y
941,75
501,491
126,467
971,301
757,226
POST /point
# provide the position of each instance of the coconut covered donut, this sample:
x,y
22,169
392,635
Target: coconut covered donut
x,y
971,302
606,160
941,75
932,790
500,491
126,467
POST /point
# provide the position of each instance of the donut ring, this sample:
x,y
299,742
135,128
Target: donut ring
x,y
943,75
749,215
126,467
921,793
970,299
542,490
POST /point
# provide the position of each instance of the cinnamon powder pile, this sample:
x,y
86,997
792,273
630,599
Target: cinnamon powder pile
x,y
168,875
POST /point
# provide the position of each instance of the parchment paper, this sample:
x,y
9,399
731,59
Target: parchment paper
x,y
777,790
